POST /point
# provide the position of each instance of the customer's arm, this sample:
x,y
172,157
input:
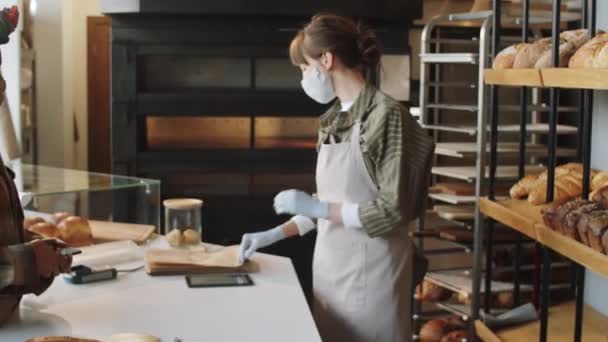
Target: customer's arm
x,y
19,271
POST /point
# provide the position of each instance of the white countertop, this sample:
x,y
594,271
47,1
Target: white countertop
x,y
274,309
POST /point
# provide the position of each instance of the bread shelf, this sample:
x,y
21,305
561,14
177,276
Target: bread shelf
x,y
560,329
539,128
453,199
469,150
455,212
551,77
527,219
461,282
469,173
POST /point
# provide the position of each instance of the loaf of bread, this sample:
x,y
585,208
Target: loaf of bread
x,y
505,58
601,58
566,187
456,336
585,56
597,227
531,53
569,226
577,37
605,241
75,231
555,214
591,228
566,51
433,330
570,42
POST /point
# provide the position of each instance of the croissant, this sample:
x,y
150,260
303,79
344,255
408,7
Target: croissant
x,y
599,180
566,187
522,188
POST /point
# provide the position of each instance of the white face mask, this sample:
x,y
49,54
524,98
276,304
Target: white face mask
x,y
317,85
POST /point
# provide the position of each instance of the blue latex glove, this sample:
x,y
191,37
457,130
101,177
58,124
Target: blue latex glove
x,y
300,203
250,243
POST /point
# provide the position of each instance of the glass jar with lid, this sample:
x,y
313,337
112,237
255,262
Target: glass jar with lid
x,y
183,221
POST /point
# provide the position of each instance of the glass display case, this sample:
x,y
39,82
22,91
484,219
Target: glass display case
x,y
95,196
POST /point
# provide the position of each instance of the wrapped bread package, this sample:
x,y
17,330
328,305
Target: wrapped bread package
x,y
174,261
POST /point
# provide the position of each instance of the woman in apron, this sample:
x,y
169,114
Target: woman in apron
x,y
372,167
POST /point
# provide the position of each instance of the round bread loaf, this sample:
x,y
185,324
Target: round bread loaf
x,y
566,51
601,58
433,330
505,58
76,231
585,56
530,54
456,336
191,237
45,229
175,238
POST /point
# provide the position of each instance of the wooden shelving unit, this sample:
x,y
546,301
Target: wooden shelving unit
x,y
561,327
469,150
551,77
527,219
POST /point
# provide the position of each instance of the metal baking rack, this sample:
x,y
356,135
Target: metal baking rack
x,y
464,210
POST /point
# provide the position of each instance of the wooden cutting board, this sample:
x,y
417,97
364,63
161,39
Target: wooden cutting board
x,y
116,231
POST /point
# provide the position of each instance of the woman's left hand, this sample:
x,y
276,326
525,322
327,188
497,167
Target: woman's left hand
x,y
300,203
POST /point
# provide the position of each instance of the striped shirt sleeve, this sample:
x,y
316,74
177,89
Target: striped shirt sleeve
x,y
383,215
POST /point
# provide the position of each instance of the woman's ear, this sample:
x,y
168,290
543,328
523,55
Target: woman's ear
x,y
328,60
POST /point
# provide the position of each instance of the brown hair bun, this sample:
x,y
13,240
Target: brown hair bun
x,y
355,44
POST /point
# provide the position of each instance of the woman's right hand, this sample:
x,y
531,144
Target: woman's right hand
x,y
49,261
251,242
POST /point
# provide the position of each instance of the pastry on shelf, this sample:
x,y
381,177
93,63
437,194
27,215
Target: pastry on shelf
x,y
431,292
435,329
456,336
569,226
567,185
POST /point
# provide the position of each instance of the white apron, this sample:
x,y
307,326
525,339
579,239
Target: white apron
x,y
360,284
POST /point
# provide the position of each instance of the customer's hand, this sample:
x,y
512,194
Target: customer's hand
x,y
49,260
300,203
254,241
